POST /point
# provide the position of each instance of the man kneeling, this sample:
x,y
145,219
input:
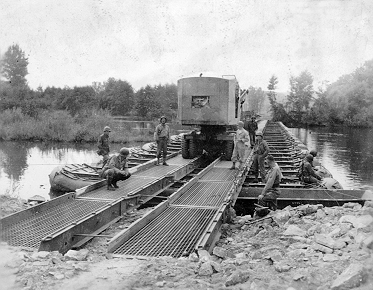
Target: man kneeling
x,y
270,192
116,169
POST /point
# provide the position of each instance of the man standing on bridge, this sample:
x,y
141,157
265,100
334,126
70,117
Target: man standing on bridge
x,y
239,150
261,150
103,145
251,127
116,169
161,137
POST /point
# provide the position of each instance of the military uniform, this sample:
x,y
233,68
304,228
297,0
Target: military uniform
x,y
103,145
114,170
161,136
239,150
261,150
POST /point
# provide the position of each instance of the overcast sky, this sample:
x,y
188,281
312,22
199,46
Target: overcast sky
x,y
72,42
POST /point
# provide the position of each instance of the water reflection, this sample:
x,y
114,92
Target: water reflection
x,y
25,166
346,152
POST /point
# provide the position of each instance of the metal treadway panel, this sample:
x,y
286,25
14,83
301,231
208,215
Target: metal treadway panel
x,y
157,171
125,187
174,232
29,232
205,194
220,174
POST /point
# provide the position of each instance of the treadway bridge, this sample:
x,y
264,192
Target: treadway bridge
x,y
189,217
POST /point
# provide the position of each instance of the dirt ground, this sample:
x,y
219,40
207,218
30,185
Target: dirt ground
x,y
308,247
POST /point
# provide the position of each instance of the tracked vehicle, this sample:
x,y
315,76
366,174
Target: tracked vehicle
x,y
212,106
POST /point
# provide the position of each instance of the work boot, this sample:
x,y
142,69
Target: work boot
x,y
114,184
233,166
164,163
109,184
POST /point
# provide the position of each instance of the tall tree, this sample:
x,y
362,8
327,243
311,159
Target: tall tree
x,y
147,105
301,94
14,66
117,96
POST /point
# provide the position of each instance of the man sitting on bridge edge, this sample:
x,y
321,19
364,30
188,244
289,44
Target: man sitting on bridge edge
x,y
270,192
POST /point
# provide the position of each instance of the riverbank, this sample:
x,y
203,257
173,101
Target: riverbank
x,y
60,126
307,247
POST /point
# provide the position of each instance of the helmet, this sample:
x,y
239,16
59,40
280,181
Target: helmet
x,y
124,151
240,123
163,117
309,158
259,133
107,129
313,153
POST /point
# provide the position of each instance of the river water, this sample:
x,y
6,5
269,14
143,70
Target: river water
x,y
346,152
24,166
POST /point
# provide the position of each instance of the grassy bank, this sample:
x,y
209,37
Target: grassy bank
x,y
62,127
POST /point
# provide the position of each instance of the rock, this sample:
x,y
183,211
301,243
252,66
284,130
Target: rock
x,y
368,242
57,275
307,209
223,253
358,222
293,230
216,267
204,256
349,205
242,255
256,255
193,257
330,258
276,256
160,283
281,217
237,277
73,255
353,276
368,203
329,242
205,269
41,255
40,263
282,267
298,276
320,214
330,211
321,248
244,219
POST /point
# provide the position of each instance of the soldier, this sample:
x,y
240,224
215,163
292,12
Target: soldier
x,y
239,150
251,127
116,169
261,150
161,137
307,174
103,145
270,192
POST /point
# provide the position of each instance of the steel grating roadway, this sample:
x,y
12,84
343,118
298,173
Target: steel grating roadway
x,y
29,232
174,232
210,194
125,187
219,174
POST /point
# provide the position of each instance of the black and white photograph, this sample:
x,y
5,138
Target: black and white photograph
x,y
180,144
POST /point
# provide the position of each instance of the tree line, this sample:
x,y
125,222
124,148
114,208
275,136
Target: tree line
x,y
115,96
346,102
